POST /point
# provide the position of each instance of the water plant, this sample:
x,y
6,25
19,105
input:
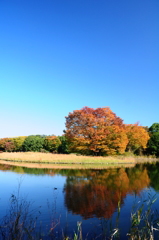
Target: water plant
x,y
144,220
19,222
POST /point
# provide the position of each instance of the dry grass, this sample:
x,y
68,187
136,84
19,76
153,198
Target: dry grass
x,y
65,166
35,157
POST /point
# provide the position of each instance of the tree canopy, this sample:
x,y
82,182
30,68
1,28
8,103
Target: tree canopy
x,y
154,128
153,143
52,143
95,131
137,136
34,143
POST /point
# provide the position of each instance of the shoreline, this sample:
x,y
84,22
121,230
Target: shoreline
x,y
64,165
48,160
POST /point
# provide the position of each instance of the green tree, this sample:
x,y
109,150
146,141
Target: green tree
x,y
52,143
33,143
63,148
154,128
153,144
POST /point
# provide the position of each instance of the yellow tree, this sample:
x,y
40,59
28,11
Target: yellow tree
x,y
18,142
137,136
95,131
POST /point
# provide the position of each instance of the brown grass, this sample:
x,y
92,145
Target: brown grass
x,y
65,166
35,157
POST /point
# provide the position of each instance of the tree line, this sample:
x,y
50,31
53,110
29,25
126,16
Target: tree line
x,y
35,143
100,132
91,131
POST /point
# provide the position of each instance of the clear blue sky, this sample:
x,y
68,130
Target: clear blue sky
x,y
57,56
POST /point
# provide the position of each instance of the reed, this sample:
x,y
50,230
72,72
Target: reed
x,y
36,157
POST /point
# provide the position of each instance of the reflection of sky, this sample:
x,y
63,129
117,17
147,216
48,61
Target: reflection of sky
x,y
37,189
47,191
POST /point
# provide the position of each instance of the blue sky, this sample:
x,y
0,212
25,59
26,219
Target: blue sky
x,y
57,56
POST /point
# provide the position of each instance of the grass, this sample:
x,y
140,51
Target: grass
x,y
64,166
71,159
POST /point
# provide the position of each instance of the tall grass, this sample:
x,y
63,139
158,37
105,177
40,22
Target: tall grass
x,y
19,222
36,157
144,222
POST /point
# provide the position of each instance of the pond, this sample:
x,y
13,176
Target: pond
x,y
101,200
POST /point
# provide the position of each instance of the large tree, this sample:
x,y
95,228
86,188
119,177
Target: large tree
x,y
95,131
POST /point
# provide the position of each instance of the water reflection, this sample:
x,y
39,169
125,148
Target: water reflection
x,y
96,193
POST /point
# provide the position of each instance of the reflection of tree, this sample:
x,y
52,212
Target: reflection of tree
x,y
138,178
35,171
92,200
153,172
99,194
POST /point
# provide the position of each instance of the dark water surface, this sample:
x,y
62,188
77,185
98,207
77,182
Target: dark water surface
x,y
100,199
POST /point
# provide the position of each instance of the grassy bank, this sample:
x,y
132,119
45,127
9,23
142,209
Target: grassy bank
x,y
65,165
34,157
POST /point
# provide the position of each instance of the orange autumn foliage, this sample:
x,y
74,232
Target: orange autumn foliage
x,y
96,131
137,136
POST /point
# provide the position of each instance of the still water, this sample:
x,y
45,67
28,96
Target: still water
x,y
61,198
